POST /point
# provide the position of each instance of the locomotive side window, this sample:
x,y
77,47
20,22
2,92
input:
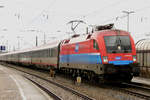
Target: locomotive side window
x,y
95,45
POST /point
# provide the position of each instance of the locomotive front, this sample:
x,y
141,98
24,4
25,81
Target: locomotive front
x,y
118,55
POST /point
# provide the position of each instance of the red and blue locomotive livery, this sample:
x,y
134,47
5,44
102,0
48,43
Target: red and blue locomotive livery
x,y
108,54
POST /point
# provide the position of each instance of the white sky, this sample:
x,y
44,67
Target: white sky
x,y
19,17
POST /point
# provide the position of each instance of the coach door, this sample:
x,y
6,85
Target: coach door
x,y
58,55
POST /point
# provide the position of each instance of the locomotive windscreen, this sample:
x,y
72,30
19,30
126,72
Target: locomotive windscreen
x,y
118,44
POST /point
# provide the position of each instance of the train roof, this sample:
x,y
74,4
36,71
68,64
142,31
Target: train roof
x,y
78,39
42,47
85,37
143,44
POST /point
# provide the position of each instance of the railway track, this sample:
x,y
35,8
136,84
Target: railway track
x,y
142,87
133,93
51,94
126,90
80,95
134,89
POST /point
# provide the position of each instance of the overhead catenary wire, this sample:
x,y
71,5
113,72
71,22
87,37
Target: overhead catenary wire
x,y
123,16
44,10
29,24
109,6
103,8
19,17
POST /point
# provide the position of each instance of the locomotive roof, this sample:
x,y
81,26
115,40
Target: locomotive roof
x,y
84,36
79,39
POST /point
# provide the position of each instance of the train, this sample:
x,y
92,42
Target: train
x,y
104,54
143,57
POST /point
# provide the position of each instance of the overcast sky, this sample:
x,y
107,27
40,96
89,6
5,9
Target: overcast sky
x,y
23,20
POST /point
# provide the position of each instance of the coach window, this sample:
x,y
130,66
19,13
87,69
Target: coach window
x,y
41,53
47,53
95,45
52,52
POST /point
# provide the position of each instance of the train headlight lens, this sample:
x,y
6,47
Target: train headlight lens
x,y
134,58
105,59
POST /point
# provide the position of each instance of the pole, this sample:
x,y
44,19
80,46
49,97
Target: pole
x,y
128,13
36,41
18,43
44,38
128,23
7,46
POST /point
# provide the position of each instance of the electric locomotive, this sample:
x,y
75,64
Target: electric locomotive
x,y
107,53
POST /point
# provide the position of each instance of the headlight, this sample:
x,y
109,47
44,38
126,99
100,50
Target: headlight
x,y
105,59
134,58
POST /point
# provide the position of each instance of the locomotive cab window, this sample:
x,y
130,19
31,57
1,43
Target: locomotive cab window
x,y
118,44
95,45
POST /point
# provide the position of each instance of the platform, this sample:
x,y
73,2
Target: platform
x,y
141,80
15,87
